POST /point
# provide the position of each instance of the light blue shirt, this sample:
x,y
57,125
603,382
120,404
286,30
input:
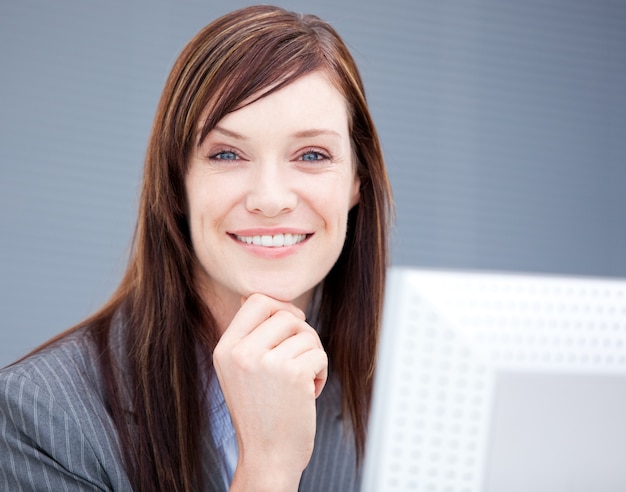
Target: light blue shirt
x,y
222,430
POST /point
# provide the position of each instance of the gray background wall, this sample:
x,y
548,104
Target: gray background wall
x,y
503,125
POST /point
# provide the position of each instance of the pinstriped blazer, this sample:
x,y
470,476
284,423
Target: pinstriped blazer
x,y
57,435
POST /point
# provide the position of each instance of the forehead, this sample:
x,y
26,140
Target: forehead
x,y
310,101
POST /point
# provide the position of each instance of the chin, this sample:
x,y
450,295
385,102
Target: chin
x,y
297,296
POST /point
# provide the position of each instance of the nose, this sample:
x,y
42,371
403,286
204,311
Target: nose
x,y
271,192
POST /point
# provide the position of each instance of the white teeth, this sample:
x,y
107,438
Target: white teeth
x,y
275,241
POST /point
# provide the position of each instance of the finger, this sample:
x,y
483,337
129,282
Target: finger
x,y
295,345
256,309
317,361
280,327
310,366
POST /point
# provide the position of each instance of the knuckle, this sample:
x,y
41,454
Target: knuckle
x,y
242,356
312,338
258,299
271,362
285,316
255,297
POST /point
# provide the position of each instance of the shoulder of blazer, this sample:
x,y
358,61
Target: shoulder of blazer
x,y
55,431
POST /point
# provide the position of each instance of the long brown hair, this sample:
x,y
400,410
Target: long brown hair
x,y
250,52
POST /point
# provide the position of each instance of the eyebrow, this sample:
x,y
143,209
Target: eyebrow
x,y
229,133
313,132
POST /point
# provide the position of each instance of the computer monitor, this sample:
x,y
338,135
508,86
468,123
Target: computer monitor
x,y
491,382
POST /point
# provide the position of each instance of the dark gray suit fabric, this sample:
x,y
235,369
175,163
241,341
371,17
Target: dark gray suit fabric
x,y
57,435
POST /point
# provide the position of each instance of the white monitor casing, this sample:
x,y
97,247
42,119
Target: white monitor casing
x,y
497,381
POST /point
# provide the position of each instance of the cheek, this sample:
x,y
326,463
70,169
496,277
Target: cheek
x,y
207,202
340,200
335,207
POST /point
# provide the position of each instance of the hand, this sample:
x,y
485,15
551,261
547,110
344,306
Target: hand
x,y
271,366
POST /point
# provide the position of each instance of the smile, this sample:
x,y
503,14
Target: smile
x,y
273,241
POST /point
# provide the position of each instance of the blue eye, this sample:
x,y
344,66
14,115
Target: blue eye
x,y
226,155
313,155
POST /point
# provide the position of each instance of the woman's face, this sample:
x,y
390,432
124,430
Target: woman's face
x,y
269,191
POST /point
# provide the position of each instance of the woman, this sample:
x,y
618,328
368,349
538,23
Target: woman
x,y
264,197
